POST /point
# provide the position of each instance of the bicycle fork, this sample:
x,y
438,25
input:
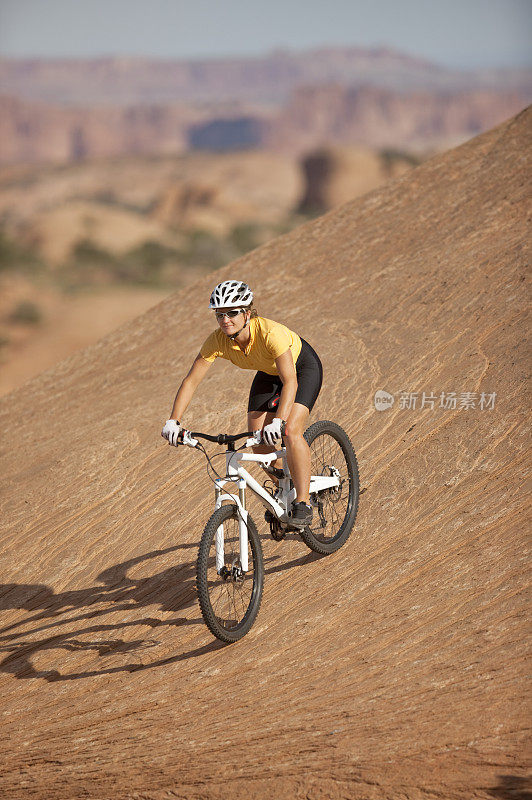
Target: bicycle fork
x,y
240,502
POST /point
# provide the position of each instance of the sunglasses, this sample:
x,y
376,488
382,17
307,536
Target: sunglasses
x,y
231,314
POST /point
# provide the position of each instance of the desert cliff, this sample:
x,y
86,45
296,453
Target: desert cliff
x,y
37,132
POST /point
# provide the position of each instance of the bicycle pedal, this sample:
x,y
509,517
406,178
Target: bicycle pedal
x,y
296,529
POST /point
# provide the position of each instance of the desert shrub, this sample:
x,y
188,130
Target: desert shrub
x,y
205,251
88,265
149,264
246,237
14,256
391,156
26,313
86,252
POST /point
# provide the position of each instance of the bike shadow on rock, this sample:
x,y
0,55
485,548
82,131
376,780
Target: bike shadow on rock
x,y
308,558
512,787
172,590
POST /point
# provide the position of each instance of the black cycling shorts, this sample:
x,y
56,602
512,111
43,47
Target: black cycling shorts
x,y
266,388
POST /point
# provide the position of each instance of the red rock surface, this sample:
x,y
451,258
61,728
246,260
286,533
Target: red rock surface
x,y
394,668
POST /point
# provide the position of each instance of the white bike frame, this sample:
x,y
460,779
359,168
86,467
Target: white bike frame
x,y
235,473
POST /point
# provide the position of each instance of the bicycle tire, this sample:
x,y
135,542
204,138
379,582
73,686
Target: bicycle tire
x,y
327,539
229,612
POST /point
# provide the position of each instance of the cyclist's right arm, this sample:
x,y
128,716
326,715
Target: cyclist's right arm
x,y
189,385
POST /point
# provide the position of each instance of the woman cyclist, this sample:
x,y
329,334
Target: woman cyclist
x,y
288,379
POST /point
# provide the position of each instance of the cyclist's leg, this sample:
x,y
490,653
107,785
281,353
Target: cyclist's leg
x,y
297,451
263,389
309,379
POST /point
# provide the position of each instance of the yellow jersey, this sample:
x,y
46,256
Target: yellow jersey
x,y
268,340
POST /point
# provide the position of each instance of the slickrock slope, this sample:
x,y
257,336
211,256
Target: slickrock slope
x,y
394,668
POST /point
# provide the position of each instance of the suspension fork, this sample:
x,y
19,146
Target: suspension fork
x,y
220,495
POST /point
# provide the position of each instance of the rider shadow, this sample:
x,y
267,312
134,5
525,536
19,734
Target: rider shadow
x,y
84,611
172,590
512,787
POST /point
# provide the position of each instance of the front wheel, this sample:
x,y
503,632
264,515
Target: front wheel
x,y
229,598
335,509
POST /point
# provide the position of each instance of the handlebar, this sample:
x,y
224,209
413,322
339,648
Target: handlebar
x,y
223,438
190,438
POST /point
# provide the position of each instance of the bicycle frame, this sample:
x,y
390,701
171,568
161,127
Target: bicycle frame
x,y
235,473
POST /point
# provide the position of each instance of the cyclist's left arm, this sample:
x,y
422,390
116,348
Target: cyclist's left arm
x,y
287,373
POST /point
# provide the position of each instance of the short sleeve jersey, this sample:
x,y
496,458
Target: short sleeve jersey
x,y
268,341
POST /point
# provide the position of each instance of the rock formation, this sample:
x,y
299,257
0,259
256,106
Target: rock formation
x,y
382,118
334,175
315,115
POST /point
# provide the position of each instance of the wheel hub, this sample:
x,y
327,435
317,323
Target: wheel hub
x,y
237,573
335,492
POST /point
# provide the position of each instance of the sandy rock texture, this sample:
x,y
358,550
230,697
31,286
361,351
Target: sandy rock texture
x,y
66,324
393,668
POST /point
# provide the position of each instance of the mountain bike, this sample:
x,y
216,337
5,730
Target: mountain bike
x,y
230,567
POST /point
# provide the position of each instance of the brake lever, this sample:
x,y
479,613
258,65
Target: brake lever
x,y
188,439
255,439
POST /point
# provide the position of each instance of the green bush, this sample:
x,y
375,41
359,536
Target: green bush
x,y
246,237
389,156
14,256
149,264
203,250
86,252
26,313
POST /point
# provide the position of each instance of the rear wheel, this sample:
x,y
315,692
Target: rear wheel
x,y
335,509
229,598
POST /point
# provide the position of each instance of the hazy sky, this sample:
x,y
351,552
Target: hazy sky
x,y
461,33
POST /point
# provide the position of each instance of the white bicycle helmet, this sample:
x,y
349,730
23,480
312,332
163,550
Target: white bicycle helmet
x,y
231,294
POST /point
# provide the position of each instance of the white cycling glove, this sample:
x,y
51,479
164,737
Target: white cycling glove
x,y
271,434
171,431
